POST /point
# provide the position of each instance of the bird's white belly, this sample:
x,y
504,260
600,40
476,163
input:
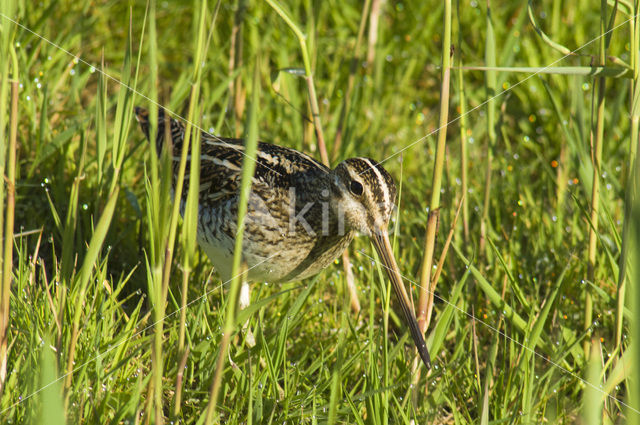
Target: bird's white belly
x,y
220,254
262,267
270,253
264,261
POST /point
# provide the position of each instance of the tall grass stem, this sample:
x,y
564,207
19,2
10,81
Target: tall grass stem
x,y
597,136
239,267
426,284
9,210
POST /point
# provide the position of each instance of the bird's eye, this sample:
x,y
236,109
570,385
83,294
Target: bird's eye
x,y
356,188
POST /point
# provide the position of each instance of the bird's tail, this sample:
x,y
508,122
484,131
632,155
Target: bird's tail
x,y
176,128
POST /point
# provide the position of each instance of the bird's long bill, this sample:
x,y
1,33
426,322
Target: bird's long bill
x,y
383,246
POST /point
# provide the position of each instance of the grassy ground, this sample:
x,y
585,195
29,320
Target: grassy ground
x,y
108,323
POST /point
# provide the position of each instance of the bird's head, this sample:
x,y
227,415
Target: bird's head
x,y
363,194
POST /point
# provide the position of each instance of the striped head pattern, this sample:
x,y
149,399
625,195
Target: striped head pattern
x,y
364,194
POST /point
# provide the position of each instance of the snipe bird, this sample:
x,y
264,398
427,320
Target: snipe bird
x,y
301,214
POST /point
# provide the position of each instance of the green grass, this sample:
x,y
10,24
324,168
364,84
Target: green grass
x,y
114,316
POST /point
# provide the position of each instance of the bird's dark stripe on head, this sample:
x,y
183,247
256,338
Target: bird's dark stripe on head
x,y
388,179
378,179
381,188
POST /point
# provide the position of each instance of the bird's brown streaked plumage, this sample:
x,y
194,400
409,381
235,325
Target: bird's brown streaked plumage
x,y
301,215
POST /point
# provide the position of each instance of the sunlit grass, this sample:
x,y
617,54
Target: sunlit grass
x,y
97,302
